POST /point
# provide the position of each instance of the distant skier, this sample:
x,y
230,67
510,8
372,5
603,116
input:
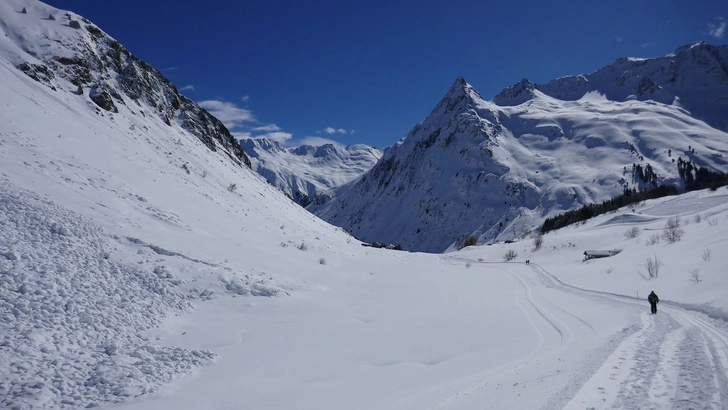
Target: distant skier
x,y
654,300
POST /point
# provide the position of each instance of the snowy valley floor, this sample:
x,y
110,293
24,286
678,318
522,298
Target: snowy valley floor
x,y
393,330
341,326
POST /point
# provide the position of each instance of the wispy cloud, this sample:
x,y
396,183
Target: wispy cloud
x,y
245,98
242,123
717,30
241,135
317,141
332,130
230,114
190,87
278,136
267,128
165,69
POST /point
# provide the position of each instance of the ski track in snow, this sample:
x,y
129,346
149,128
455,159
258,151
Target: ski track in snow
x,y
676,359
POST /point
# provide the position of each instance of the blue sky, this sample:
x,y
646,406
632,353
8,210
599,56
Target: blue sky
x,y
368,71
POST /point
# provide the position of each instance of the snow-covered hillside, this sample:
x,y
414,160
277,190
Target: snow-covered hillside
x,y
495,171
139,269
112,221
694,77
305,173
68,53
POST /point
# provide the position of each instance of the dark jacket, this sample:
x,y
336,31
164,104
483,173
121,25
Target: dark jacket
x,y
653,298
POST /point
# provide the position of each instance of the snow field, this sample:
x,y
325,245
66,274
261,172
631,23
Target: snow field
x,y
72,317
123,291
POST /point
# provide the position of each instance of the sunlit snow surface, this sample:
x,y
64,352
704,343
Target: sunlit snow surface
x,y
128,283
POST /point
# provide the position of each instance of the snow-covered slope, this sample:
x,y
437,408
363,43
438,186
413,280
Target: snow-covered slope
x,y
131,254
113,220
694,77
305,173
68,53
496,169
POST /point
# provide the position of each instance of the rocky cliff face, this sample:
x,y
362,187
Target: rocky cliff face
x,y
69,53
495,170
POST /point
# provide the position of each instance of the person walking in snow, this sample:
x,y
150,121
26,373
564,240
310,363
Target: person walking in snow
x,y
654,300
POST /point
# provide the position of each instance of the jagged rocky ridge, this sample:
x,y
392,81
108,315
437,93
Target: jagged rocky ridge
x,y
694,77
79,57
306,173
495,170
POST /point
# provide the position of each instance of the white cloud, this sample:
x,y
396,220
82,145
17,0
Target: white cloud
x,y
717,30
241,135
245,98
267,128
240,122
352,132
332,130
316,141
230,114
190,87
279,136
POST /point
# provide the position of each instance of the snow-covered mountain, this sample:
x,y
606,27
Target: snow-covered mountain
x,y
694,77
496,169
141,270
68,53
122,204
305,173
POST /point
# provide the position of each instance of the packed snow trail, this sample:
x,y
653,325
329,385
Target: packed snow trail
x,y
577,331
676,359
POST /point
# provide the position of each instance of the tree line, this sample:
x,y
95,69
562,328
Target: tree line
x,y
693,176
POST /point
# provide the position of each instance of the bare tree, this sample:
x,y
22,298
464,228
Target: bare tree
x,y
538,241
632,232
706,254
695,275
653,267
510,255
654,239
672,232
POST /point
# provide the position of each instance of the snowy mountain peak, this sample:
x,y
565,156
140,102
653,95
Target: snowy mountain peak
x,y
461,96
307,172
495,170
695,76
67,53
516,94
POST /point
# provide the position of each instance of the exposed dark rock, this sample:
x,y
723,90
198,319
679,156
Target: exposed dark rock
x,y
112,74
102,98
39,73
